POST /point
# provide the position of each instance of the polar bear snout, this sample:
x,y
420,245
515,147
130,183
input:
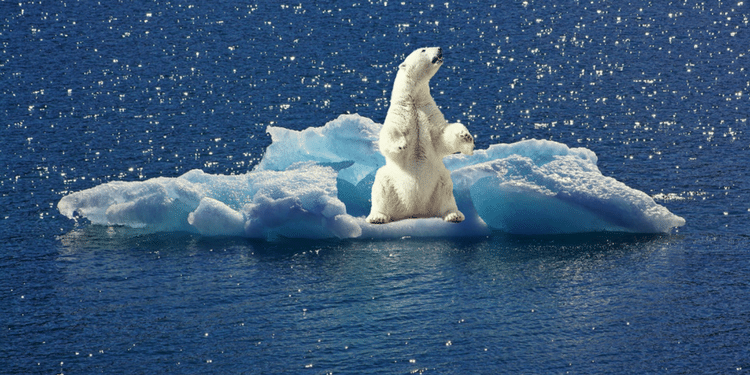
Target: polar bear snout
x,y
438,56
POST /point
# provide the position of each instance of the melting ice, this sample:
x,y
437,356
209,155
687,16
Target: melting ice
x,y
316,183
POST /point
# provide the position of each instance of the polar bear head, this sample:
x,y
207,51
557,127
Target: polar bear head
x,y
422,64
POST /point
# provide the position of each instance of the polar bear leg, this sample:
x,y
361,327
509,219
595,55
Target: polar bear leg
x,y
384,199
443,194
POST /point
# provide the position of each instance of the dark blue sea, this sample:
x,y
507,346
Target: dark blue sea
x,y
99,91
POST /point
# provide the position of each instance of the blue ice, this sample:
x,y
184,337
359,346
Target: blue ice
x,y
316,183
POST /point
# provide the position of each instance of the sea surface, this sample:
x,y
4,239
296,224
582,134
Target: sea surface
x,y
99,91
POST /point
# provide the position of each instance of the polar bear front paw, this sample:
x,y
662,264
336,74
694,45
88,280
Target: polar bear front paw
x,y
378,218
454,217
458,139
466,143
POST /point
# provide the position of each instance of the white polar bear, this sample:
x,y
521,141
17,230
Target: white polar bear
x,y
415,137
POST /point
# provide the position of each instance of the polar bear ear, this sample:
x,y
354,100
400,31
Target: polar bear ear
x,y
402,66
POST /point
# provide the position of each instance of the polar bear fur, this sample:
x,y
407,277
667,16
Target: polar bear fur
x,y
415,137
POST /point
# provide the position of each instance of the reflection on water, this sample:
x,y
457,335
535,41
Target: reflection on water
x,y
397,304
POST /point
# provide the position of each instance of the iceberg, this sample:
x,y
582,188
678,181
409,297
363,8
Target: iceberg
x,y
297,202
316,183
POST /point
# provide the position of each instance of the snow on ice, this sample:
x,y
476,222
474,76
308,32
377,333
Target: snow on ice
x,y
316,183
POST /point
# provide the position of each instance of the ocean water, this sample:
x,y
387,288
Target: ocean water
x,y
94,92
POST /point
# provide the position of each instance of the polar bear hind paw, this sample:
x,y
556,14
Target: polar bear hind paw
x,y
378,218
454,217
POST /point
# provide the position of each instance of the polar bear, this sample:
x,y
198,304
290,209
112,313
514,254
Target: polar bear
x,y
415,137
